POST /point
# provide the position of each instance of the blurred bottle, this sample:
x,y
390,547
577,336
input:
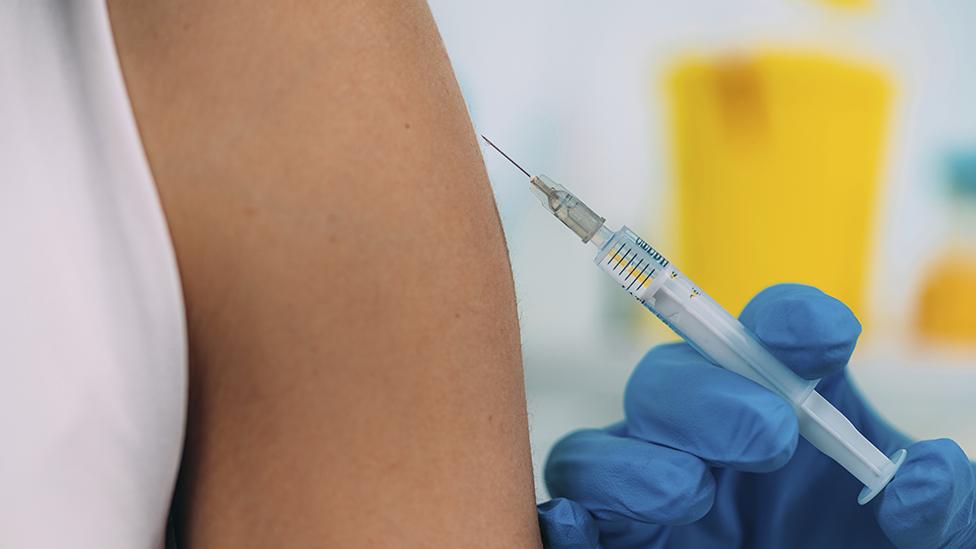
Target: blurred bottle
x,y
848,4
947,301
776,161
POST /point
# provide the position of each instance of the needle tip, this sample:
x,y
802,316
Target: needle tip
x,y
514,163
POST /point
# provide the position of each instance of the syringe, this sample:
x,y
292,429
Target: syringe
x,y
664,290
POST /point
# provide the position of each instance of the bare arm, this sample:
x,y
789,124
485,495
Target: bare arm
x,y
355,366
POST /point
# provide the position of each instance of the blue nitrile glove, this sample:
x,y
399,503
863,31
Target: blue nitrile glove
x,y
706,458
565,524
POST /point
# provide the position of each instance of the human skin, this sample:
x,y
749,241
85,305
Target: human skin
x,y
355,370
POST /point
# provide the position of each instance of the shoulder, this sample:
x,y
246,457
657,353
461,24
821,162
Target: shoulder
x,y
355,367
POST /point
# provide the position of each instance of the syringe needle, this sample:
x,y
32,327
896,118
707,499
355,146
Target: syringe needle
x,y
527,174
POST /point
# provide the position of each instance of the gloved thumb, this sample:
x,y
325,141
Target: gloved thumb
x,y
811,332
930,502
565,524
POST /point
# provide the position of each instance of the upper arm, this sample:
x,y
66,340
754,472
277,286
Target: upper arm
x,y
355,366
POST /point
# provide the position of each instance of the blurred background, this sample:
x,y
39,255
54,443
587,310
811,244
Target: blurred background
x,y
830,143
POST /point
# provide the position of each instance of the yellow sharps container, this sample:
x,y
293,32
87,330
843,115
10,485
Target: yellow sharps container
x,y
777,159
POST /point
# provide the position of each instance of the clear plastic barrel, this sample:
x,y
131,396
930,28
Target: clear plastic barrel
x,y
655,282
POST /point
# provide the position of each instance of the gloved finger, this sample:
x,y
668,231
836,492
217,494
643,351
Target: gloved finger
x,y
618,478
930,502
565,524
676,398
811,332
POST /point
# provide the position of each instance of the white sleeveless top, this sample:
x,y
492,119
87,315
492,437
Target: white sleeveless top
x,y
92,338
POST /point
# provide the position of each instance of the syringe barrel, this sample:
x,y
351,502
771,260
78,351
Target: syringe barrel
x,y
663,289
658,285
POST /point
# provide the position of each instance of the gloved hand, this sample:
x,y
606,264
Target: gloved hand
x,y
565,524
706,458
